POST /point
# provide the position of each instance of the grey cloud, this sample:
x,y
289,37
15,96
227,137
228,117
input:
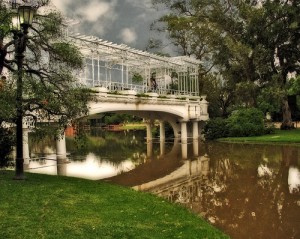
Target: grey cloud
x,y
113,20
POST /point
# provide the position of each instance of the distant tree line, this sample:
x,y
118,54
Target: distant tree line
x,y
250,52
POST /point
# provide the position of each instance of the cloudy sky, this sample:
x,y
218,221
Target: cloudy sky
x,y
119,21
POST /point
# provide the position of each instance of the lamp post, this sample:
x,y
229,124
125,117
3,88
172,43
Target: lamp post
x,y
25,17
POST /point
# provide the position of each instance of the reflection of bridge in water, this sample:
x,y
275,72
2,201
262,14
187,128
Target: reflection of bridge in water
x,y
177,167
182,185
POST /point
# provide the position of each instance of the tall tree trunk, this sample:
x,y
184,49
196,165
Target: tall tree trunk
x,y
287,122
2,55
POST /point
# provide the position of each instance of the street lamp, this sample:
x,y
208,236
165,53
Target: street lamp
x,y
25,17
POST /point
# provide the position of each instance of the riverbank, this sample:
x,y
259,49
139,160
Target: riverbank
x,y
46,206
278,137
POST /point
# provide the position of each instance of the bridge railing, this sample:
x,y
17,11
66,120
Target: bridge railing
x,y
143,88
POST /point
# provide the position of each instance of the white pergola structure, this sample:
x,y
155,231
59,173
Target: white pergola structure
x,y
120,67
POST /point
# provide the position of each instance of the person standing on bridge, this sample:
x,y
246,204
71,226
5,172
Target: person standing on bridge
x,y
153,82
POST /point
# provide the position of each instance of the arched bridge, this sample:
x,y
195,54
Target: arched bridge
x,y
143,84
183,113
127,80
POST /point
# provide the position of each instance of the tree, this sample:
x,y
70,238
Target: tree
x,y
6,146
184,31
251,43
275,46
191,27
220,94
50,89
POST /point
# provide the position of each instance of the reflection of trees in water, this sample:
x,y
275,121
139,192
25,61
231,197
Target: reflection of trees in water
x,y
239,199
290,168
114,147
222,172
41,148
262,203
253,203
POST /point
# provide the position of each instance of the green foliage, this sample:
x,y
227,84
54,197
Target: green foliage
x,y
7,104
294,86
5,18
221,95
7,142
293,92
252,45
173,86
137,78
51,90
67,53
278,136
119,118
269,99
142,95
242,122
246,122
174,74
215,128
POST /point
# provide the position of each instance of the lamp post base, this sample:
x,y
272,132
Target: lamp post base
x,y
19,177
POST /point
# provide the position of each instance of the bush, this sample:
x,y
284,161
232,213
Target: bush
x,y
241,123
215,128
246,122
6,146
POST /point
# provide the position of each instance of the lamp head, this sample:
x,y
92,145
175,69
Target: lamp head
x,y
15,23
26,14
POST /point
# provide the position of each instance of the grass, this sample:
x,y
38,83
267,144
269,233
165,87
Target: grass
x,y
46,206
279,136
133,126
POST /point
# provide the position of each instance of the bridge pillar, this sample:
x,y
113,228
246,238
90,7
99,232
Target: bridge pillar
x,y
149,149
162,137
149,130
183,132
162,147
184,136
195,130
61,151
162,131
184,150
196,147
61,166
26,155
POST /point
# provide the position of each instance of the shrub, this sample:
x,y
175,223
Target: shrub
x,y
269,128
246,122
241,123
215,128
6,146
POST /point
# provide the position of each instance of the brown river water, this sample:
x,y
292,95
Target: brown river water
x,y
247,191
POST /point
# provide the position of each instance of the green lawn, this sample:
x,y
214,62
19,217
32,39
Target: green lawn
x,y
60,207
133,126
279,136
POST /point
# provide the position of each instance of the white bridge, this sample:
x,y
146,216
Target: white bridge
x,y
143,84
132,81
